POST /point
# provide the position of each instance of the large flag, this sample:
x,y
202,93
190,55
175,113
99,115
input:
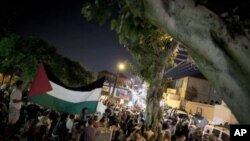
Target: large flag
x,y
48,91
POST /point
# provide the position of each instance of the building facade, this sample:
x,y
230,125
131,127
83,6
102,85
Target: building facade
x,y
203,100
121,91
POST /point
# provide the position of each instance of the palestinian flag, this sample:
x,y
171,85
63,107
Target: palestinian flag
x,y
50,92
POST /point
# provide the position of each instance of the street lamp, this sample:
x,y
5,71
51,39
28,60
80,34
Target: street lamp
x,y
121,67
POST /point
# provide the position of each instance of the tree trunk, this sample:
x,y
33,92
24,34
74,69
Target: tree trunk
x,y
156,89
153,106
3,79
220,57
154,97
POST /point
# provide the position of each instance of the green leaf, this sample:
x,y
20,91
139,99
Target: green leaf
x,y
113,24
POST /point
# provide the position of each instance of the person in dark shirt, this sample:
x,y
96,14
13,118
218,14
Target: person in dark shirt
x,y
130,126
32,111
83,118
61,128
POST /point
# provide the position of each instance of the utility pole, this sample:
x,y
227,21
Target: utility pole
x,y
121,66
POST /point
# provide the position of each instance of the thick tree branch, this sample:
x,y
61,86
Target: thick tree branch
x,y
203,32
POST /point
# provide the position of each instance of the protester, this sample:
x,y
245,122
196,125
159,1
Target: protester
x,y
60,130
69,124
83,118
15,106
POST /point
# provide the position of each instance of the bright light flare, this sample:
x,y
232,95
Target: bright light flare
x,y
121,66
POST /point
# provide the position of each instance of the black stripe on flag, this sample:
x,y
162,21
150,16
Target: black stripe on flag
x,y
96,84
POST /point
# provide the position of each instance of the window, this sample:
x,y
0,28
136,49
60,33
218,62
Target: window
x,y
216,133
224,137
183,116
179,83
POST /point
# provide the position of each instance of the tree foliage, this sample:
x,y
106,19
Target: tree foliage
x,y
21,56
147,43
233,13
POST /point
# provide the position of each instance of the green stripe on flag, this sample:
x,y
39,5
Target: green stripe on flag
x,y
63,106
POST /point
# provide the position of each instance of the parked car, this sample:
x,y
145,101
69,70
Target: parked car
x,y
221,133
178,113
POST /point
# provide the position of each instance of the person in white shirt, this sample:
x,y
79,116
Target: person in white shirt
x,y
15,106
69,124
15,103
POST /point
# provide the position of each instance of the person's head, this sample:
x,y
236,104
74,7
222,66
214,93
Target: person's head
x,y
95,118
19,84
85,110
165,126
45,113
182,138
64,117
71,116
90,122
53,115
102,120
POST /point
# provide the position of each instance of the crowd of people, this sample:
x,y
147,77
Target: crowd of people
x,y
34,123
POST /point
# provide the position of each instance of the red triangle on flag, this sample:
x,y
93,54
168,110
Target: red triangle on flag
x,y
40,84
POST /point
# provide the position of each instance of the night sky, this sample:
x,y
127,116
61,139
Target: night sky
x,y
60,23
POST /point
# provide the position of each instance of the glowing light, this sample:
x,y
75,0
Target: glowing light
x,y
121,66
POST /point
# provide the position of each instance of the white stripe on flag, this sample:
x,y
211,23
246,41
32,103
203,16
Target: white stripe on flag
x,y
74,96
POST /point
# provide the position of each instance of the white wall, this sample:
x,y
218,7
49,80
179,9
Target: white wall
x,y
216,114
173,103
224,114
207,110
